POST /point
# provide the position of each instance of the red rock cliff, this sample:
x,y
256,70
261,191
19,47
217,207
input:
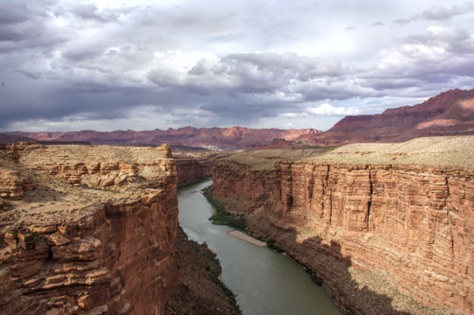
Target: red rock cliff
x,y
191,170
385,238
72,247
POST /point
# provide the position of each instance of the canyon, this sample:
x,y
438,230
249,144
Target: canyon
x,y
94,230
384,224
386,228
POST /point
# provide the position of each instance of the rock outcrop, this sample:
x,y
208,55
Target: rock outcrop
x,y
384,235
71,247
13,185
93,230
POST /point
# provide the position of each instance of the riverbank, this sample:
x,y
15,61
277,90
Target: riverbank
x,y
199,288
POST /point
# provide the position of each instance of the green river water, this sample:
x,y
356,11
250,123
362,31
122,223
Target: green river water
x,y
264,281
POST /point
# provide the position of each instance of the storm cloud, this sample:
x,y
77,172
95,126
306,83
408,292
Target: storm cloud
x,y
69,65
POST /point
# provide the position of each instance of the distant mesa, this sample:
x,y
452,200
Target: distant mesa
x,y
7,138
234,138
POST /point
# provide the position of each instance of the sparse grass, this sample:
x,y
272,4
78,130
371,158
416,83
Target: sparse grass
x,y
445,152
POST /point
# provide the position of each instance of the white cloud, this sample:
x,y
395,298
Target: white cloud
x,y
326,109
294,115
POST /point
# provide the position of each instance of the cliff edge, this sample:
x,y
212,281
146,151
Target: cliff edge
x,y
94,230
388,228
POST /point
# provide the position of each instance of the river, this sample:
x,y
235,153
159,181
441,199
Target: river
x,y
264,281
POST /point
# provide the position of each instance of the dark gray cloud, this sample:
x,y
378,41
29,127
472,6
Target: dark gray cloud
x,y
13,13
143,65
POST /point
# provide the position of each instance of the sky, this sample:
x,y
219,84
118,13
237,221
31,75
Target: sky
x,y
143,64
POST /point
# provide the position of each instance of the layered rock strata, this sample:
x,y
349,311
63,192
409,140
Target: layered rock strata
x,y
385,238
95,236
190,171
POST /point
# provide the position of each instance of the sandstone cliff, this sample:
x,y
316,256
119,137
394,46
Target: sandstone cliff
x,y
388,228
192,170
92,230
76,248
194,167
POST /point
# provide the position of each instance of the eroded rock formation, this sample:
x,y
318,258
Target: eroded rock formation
x,y
386,238
92,230
190,171
73,247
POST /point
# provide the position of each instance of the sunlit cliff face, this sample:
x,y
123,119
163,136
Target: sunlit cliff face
x,y
467,104
437,122
467,108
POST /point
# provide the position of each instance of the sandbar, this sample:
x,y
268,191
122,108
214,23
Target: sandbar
x,y
247,238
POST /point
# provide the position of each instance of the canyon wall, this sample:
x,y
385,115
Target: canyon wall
x,y
93,233
192,170
384,238
94,230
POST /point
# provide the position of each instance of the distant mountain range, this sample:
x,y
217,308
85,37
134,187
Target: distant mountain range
x,y
13,138
233,138
449,113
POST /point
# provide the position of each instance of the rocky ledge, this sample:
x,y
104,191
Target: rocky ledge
x,y
388,228
91,230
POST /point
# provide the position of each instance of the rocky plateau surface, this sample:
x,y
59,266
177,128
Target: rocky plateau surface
x,y
93,230
389,228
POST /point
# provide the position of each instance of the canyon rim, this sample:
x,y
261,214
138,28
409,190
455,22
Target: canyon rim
x,y
94,230
387,228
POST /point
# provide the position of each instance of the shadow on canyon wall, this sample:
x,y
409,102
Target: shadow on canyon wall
x,y
338,280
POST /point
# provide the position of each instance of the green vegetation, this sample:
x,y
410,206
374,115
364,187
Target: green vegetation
x,y
222,217
314,278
